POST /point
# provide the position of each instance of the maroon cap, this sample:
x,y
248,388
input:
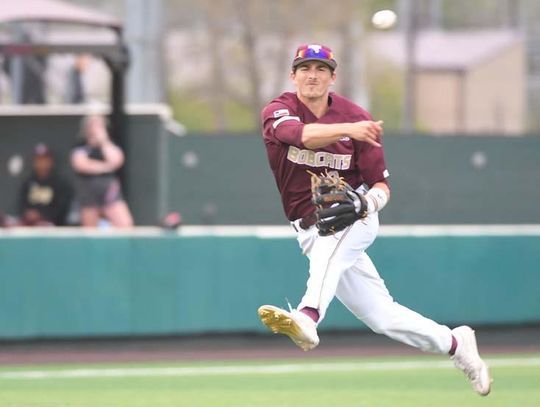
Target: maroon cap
x,y
41,150
314,52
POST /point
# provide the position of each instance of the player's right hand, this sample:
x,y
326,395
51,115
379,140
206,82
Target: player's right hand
x,y
368,131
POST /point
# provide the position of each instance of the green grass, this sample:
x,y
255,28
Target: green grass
x,y
336,387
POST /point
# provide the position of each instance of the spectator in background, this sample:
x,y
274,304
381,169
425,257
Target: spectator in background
x,y
75,90
27,75
98,190
45,197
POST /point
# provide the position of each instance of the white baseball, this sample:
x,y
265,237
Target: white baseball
x,y
384,19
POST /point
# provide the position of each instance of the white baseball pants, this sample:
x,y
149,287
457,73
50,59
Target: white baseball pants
x,y
340,266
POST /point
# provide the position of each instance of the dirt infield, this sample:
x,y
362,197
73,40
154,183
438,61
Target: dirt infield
x,y
229,347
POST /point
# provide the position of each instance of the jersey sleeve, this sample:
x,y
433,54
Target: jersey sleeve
x,y
370,159
282,125
371,164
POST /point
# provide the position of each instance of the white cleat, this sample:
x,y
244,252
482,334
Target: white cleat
x,y
468,360
295,324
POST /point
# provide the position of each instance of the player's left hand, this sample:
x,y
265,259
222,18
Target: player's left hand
x,y
338,205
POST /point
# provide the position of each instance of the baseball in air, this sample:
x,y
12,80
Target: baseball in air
x,y
384,19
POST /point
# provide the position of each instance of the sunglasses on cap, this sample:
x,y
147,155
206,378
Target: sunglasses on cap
x,y
314,52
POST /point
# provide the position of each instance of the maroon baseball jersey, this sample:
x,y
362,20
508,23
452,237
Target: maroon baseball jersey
x,y
283,121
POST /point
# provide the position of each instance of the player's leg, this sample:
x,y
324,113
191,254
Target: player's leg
x,y
296,325
328,258
364,293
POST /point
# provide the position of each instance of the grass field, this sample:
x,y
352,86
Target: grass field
x,y
405,381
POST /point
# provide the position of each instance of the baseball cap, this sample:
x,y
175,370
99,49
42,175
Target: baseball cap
x,y
41,150
314,52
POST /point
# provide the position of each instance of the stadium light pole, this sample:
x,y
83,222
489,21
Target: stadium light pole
x,y
144,36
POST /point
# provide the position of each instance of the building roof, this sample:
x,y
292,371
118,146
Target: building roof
x,y
445,50
53,11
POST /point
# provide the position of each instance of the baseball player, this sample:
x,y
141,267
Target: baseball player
x,y
320,131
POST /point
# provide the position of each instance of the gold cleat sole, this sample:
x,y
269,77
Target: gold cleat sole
x,y
279,322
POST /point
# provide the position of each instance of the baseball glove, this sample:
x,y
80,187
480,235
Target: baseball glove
x,y
337,204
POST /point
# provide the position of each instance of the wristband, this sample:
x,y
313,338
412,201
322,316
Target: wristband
x,y
377,199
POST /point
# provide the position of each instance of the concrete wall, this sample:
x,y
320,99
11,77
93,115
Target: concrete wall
x,y
486,98
437,104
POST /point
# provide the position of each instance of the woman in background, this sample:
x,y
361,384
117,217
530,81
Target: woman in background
x,y
98,189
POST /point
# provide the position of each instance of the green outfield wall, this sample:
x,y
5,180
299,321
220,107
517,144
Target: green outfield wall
x,y
434,180
87,285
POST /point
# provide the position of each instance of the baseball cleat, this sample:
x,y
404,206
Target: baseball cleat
x,y
295,324
468,360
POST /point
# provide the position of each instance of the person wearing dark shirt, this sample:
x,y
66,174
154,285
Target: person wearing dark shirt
x,y
45,197
98,191
32,70
316,130
75,90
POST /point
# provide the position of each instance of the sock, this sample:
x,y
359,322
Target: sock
x,y
311,312
453,347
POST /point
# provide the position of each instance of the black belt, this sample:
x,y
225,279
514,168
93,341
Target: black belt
x,y
307,221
